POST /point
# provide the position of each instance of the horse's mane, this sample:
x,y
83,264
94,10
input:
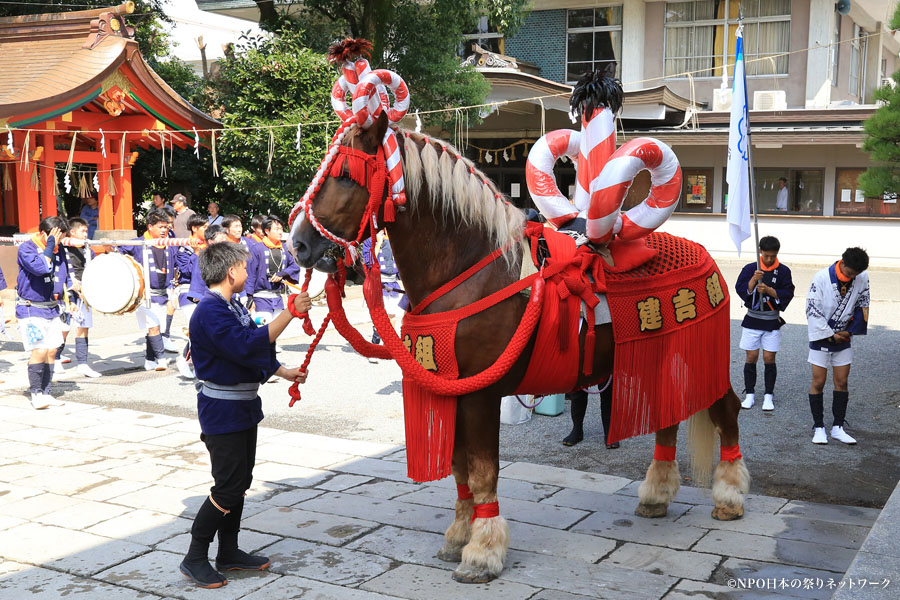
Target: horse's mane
x,y
460,193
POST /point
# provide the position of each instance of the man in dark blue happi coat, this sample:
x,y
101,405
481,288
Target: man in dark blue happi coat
x,y
232,358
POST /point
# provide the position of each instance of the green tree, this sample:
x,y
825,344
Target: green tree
x,y
272,80
883,137
419,40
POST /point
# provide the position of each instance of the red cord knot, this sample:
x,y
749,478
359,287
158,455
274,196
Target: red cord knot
x,y
294,393
488,510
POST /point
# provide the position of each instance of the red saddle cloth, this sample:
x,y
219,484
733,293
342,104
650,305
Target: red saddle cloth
x,y
669,308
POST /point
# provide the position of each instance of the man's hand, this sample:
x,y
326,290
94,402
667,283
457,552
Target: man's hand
x,y
275,279
757,277
766,290
841,336
293,375
302,303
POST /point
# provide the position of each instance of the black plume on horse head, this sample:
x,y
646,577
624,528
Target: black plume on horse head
x,y
596,90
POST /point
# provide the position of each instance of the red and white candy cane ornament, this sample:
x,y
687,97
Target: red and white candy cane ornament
x,y
598,142
347,83
365,118
540,179
609,189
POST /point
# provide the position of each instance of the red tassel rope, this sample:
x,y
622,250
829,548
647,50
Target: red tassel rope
x,y
731,453
294,390
665,453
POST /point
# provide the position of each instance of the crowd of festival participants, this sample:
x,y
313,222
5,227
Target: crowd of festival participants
x,y
231,290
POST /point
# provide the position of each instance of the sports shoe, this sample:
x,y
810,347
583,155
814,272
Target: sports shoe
x,y
87,371
184,369
748,401
38,402
150,365
819,436
169,345
161,364
51,401
840,435
767,402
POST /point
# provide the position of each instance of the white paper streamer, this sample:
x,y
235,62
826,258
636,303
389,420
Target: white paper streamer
x,y
96,182
418,123
68,183
196,143
299,135
102,143
9,140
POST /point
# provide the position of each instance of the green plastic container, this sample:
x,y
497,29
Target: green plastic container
x,y
552,405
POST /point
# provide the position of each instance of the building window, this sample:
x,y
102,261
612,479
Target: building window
x,y
485,35
594,41
835,48
790,191
849,200
700,36
855,57
696,193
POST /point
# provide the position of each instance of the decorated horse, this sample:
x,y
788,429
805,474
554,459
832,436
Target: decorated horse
x,y
502,306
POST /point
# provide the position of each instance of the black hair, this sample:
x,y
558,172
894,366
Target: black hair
x,y
784,179
77,222
856,259
196,220
217,259
270,220
594,90
257,222
157,215
168,211
769,243
50,222
212,231
227,220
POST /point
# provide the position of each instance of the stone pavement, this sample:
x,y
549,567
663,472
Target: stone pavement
x,y
97,501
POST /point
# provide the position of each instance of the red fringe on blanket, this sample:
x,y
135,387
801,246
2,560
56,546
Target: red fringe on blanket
x,y
671,325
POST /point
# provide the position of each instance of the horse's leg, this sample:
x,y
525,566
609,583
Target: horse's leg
x,y
663,479
731,479
483,556
459,532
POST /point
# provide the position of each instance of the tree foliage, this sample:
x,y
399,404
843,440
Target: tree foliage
x,y
273,81
883,137
417,39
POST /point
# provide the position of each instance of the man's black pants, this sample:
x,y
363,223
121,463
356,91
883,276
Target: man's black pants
x,y
232,456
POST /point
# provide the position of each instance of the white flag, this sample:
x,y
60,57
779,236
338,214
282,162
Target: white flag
x,y
738,173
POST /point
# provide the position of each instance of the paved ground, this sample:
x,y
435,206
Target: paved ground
x,y
350,398
97,501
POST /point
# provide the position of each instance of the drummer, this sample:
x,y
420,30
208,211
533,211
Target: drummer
x,y
81,316
43,271
273,265
161,261
186,259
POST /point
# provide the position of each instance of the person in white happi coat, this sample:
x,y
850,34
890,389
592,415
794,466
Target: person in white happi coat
x,y
837,308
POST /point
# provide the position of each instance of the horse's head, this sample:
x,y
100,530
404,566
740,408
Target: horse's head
x,y
341,200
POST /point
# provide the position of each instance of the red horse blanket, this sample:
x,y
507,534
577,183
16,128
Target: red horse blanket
x,y
670,317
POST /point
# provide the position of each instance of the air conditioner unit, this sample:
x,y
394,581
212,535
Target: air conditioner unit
x,y
770,100
722,99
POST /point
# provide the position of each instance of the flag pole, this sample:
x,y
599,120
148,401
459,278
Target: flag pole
x,y
750,165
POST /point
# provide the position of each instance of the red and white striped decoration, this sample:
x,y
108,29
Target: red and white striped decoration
x,y
603,178
539,174
609,189
347,83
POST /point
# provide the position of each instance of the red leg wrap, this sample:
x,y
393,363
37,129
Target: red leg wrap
x,y
486,511
463,492
731,453
664,453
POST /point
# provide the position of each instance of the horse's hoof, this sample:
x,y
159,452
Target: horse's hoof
x,y
727,513
450,553
651,511
468,574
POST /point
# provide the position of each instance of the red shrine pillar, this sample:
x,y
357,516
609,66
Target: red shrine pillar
x,y
47,172
123,210
27,199
106,221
